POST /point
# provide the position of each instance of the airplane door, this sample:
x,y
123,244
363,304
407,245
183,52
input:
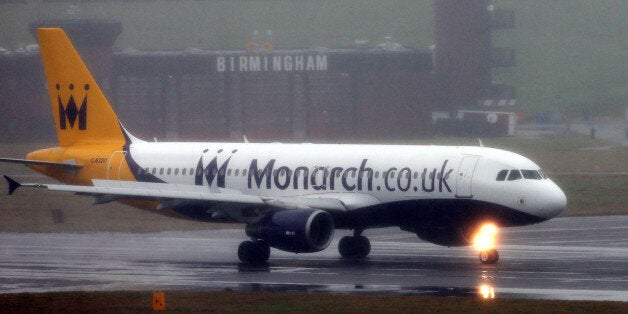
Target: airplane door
x,y
465,176
115,165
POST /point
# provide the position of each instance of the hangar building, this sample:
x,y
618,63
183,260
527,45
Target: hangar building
x,y
360,93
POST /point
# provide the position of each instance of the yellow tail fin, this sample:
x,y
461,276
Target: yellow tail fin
x,y
81,111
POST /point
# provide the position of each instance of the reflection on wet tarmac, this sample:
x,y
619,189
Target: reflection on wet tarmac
x,y
487,292
482,292
546,261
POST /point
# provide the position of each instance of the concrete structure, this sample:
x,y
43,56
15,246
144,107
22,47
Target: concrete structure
x,y
333,95
463,63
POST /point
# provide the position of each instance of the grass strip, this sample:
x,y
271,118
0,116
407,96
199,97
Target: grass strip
x,y
239,302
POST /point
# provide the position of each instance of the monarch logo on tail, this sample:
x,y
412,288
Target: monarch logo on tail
x,y
70,112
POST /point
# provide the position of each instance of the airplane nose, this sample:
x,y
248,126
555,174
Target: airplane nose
x,y
555,202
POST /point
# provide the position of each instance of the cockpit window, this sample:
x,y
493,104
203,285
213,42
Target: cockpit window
x,y
531,174
501,176
514,175
542,174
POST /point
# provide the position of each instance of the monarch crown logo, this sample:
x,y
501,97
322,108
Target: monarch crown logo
x,y
70,112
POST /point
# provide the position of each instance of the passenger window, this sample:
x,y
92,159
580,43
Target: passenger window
x,y
176,171
501,176
229,172
168,172
191,171
243,172
183,171
514,175
531,174
154,170
161,170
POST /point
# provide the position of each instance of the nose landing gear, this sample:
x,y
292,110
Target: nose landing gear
x,y
489,256
484,242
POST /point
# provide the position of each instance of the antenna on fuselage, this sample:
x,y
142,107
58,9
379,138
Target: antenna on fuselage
x,y
481,144
246,140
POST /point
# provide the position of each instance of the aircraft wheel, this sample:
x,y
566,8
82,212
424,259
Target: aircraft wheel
x,y
265,249
364,246
345,247
489,256
253,252
354,247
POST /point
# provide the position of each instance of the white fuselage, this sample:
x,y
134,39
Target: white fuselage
x,y
358,175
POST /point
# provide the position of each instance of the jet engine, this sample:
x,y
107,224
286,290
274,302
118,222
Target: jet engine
x,y
297,231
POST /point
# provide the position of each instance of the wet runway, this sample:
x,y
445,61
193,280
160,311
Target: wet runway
x,y
565,258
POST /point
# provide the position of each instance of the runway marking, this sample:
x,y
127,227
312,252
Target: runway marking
x,y
392,237
569,294
578,241
563,229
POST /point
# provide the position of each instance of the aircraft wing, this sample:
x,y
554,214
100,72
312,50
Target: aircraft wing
x,y
106,191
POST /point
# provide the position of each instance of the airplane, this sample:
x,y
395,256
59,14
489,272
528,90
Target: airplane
x,y
291,197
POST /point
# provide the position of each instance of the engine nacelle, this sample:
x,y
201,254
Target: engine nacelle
x,y
297,231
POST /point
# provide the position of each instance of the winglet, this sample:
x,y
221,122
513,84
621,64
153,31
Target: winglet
x,y
13,185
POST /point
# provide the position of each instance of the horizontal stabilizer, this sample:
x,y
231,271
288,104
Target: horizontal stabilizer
x,y
69,166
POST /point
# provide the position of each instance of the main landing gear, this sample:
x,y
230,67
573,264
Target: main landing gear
x,y
355,247
255,252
